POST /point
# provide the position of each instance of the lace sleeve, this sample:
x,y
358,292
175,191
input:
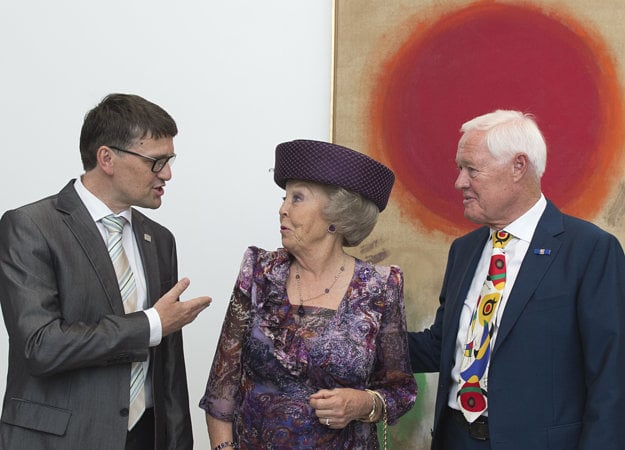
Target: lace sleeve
x,y
222,389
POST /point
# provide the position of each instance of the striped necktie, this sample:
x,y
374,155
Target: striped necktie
x,y
473,383
128,289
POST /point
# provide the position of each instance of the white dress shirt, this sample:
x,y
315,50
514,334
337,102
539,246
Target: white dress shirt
x,y
98,210
522,230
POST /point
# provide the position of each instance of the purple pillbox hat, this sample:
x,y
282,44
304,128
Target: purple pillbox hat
x,y
323,162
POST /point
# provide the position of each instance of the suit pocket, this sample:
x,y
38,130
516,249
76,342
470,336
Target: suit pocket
x,y
36,416
549,302
564,437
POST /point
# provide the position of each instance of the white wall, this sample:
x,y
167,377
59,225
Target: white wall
x,y
238,77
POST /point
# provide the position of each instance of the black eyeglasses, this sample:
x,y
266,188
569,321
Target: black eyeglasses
x,y
157,163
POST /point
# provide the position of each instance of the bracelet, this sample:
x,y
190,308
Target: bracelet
x,y
227,444
374,408
384,417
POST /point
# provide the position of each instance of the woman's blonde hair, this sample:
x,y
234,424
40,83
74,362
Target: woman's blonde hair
x,y
353,216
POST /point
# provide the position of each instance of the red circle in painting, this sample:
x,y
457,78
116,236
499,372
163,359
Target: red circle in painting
x,y
492,56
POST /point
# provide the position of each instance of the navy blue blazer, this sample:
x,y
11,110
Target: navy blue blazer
x,y
557,371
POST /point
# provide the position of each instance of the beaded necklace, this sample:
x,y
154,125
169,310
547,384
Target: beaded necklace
x,y
326,291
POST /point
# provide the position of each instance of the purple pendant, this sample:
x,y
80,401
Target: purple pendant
x,y
300,310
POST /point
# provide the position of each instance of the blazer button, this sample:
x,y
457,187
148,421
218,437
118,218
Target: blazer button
x,y
123,412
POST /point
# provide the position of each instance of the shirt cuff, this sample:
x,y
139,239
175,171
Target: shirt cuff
x,y
156,328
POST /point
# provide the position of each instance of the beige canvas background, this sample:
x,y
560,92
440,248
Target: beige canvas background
x,y
366,33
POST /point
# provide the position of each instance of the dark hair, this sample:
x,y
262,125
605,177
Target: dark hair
x,y
120,120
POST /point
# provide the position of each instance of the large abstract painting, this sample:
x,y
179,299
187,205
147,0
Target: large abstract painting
x,y
407,74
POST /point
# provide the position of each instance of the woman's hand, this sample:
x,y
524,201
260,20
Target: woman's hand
x,y
336,408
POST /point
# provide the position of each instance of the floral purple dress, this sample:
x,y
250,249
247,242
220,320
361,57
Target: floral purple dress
x,y
269,360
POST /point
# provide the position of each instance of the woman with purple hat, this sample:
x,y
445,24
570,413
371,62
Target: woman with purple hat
x,y
313,351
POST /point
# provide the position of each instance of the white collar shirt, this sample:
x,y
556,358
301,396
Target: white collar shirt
x,y
522,230
98,210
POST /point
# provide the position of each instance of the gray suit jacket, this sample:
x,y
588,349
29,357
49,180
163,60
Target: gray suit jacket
x,y
70,343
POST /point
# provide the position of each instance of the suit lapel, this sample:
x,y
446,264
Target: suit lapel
x,y
533,269
144,236
472,258
84,229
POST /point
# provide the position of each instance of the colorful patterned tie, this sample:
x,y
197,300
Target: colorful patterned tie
x,y
472,392
128,289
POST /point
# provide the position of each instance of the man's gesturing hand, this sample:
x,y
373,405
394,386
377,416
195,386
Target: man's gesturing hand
x,y
175,314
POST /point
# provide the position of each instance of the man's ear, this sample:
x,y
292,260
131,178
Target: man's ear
x,y
105,160
521,165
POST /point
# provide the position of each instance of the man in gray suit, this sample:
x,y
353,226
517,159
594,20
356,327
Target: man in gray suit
x,y
74,339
